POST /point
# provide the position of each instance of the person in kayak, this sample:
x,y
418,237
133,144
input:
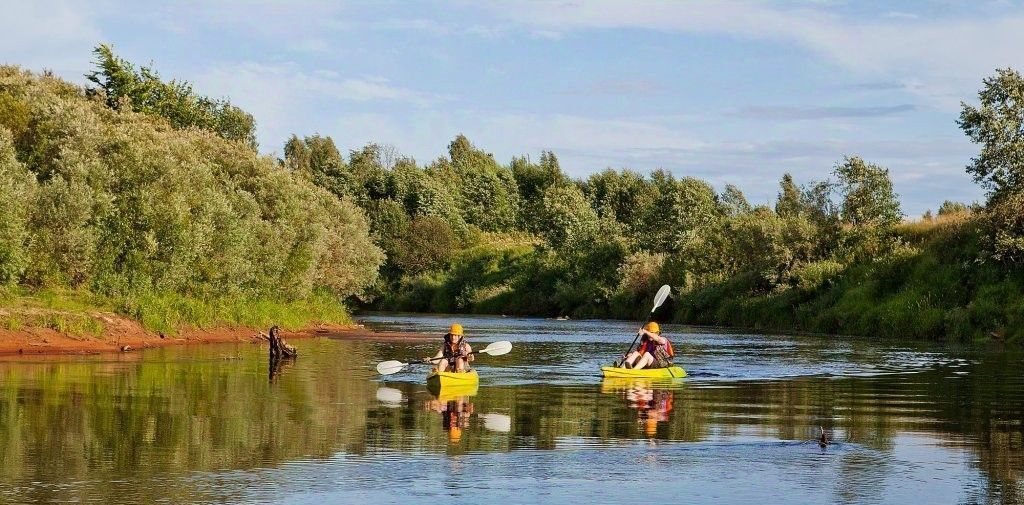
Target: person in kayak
x,y
456,354
655,351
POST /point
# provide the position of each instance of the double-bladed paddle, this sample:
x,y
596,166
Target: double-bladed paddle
x,y
493,349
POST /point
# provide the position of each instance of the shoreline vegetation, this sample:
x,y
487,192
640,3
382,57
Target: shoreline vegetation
x,y
137,201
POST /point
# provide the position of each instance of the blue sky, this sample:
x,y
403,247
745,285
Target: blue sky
x,y
732,92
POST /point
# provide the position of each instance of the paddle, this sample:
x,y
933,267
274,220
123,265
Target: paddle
x,y
659,299
497,422
493,349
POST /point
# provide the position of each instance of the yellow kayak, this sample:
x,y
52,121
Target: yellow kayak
x,y
672,372
437,381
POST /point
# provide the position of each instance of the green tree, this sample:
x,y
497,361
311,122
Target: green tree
x,y
950,207
625,197
532,180
790,201
997,124
568,220
488,192
867,193
17,190
142,90
429,244
734,202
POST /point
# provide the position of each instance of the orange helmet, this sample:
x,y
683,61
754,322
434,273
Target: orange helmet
x,y
456,329
653,327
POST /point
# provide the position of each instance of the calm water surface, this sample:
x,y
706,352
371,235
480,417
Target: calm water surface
x,y
911,423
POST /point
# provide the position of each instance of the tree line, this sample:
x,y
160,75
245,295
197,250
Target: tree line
x,y
137,183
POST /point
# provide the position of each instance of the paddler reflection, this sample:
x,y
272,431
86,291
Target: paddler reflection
x,y
652,401
455,413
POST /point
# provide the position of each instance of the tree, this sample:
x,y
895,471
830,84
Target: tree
x,y
734,202
429,244
17,188
142,90
532,180
568,220
998,125
790,201
317,158
950,207
488,193
626,197
867,193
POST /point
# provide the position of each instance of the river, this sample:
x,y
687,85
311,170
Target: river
x,y
907,422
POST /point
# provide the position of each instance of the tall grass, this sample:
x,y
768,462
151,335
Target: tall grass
x,y
80,313
169,313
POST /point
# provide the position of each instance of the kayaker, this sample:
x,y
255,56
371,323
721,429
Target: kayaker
x,y
456,354
655,351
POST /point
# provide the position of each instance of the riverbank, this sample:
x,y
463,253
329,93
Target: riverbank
x,y
79,322
124,335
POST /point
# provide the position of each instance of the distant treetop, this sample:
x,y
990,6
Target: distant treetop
x,y
141,90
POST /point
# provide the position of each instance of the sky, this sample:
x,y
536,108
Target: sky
x,y
731,92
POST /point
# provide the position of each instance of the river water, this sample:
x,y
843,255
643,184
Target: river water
x,y
908,423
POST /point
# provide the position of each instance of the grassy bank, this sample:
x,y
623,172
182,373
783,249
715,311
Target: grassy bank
x,y
932,286
80,313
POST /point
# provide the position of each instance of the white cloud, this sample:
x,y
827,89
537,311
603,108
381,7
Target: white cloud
x,y
946,57
284,97
51,35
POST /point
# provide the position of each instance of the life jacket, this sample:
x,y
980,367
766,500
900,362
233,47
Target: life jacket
x,y
648,346
452,355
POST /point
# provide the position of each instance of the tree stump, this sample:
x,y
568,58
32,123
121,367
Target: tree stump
x,y
279,349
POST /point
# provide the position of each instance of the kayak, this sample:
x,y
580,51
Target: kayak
x,y
448,380
672,372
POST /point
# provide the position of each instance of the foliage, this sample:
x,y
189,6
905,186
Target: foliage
x,y
118,83
114,202
997,123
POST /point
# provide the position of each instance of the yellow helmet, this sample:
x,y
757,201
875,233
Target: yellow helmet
x,y
652,327
456,329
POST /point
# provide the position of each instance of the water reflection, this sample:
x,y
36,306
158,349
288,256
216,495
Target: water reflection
x,y
650,398
203,424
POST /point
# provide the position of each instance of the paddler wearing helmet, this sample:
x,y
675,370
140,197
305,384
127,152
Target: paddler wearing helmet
x,y
655,351
456,354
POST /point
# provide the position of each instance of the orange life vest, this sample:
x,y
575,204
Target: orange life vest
x,y
648,346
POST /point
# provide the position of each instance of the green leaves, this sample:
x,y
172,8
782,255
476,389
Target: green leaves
x,y
122,87
997,124
121,204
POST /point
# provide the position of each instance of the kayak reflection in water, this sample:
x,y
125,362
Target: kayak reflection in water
x,y
655,351
456,354
455,414
653,405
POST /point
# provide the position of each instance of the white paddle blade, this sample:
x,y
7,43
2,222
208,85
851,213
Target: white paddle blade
x,y
390,397
390,367
497,422
498,348
661,296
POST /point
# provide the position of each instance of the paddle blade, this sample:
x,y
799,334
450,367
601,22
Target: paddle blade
x,y
497,422
390,367
661,296
498,348
390,397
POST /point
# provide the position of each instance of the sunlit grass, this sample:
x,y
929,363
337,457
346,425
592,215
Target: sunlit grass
x,y
80,313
